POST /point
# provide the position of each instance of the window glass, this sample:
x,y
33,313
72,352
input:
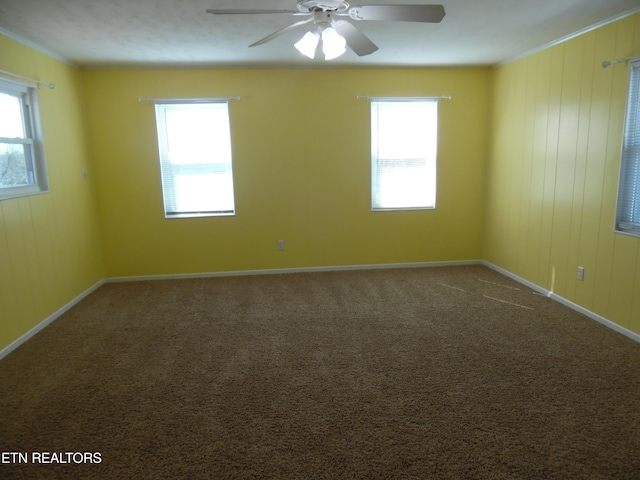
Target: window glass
x,y
194,142
404,139
628,211
11,118
22,165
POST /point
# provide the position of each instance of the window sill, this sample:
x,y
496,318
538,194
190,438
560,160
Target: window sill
x,y
630,230
401,209
170,216
20,192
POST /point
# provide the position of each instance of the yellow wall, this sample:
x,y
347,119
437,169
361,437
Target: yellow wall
x,y
553,172
301,143
50,246
541,204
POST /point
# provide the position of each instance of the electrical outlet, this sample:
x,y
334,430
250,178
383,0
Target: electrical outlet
x,y
581,274
280,244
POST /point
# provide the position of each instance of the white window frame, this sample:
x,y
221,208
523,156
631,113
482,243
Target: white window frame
x,y
32,140
420,194
628,207
170,171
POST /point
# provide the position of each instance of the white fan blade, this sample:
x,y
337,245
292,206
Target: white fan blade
x,y
357,41
403,13
268,38
216,11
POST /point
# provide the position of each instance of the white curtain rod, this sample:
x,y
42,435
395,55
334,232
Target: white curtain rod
x,y
606,63
32,80
187,100
391,99
399,99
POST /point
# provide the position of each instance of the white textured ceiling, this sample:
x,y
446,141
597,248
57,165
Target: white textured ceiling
x,y
179,33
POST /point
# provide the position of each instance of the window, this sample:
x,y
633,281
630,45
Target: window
x,y
194,143
628,214
404,139
22,165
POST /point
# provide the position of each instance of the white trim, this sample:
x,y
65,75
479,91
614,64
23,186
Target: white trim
x,y
52,54
567,303
177,101
598,318
402,99
35,46
566,38
275,271
518,279
54,316
47,321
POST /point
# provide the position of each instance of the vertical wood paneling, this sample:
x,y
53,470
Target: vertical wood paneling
x,y
515,159
540,134
50,247
549,275
43,226
30,247
622,282
8,303
616,81
634,320
18,260
594,174
566,165
523,238
575,259
573,127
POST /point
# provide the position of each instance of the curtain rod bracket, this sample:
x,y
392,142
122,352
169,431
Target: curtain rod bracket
x,y
624,60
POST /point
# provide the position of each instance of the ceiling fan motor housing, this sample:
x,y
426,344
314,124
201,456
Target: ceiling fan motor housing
x,y
308,6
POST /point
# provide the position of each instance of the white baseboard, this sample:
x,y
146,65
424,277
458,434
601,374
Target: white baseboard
x,y
55,315
518,279
39,327
614,326
574,306
276,271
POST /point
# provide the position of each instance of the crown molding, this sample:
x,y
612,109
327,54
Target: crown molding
x,y
582,31
35,46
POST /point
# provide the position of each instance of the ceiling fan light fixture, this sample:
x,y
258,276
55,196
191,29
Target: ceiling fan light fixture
x,y
332,23
333,44
308,44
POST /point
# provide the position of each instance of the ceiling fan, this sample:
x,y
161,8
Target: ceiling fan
x,y
331,23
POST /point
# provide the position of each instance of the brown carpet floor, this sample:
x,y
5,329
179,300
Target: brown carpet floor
x,y
434,373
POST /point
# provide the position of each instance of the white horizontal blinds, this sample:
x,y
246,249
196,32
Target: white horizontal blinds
x,y
628,215
195,156
404,140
